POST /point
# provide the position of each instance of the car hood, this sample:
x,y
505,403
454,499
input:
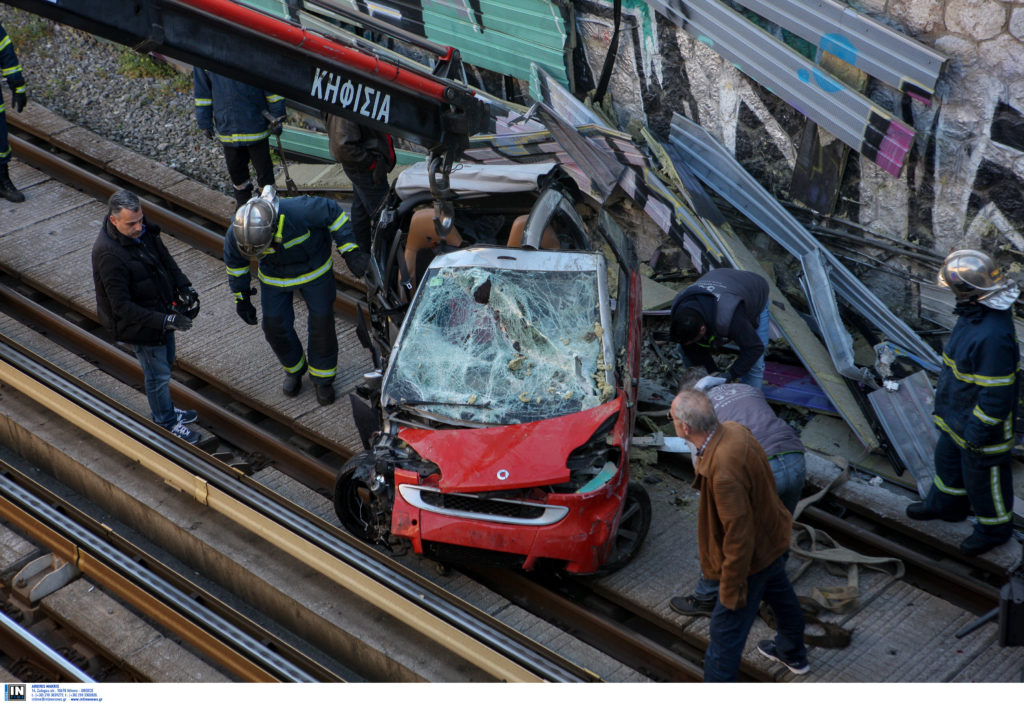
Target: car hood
x,y
510,456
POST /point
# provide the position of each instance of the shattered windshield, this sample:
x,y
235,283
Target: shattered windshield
x,y
500,346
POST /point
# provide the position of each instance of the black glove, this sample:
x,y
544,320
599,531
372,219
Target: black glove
x,y
209,134
188,302
177,322
19,100
358,262
276,128
245,309
379,169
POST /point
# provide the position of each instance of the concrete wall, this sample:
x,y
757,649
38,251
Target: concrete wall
x,y
964,179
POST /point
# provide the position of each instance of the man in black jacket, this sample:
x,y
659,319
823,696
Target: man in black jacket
x,y
723,304
142,297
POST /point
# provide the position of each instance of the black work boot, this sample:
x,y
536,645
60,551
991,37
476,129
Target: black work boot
x,y
918,511
292,383
979,543
242,195
324,393
7,189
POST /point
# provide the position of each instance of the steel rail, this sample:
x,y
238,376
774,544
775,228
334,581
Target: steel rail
x,y
235,650
148,573
469,634
289,460
182,228
20,642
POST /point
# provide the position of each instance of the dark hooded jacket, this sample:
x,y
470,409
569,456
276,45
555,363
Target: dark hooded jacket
x,y
136,281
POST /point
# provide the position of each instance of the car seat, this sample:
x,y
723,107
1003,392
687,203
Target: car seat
x,y
515,238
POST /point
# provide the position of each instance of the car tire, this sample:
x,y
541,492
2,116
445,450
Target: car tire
x,y
633,528
360,510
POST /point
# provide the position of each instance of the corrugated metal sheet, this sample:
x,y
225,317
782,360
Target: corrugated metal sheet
x,y
859,40
864,126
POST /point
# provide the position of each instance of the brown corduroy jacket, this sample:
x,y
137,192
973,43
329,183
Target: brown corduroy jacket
x,y
742,526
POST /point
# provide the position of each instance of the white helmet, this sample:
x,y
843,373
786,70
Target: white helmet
x,y
971,273
255,223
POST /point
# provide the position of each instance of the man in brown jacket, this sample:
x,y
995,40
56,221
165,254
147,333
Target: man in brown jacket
x,y
743,538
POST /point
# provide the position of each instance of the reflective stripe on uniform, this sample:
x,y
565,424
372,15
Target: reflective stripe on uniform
x,y
12,69
231,138
977,379
294,369
342,219
989,449
297,280
319,373
948,490
345,248
274,98
203,102
298,240
987,419
1002,514
5,42
240,271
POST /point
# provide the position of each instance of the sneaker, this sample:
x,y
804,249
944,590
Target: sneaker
x,y
324,393
691,605
182,430
185,417
767,648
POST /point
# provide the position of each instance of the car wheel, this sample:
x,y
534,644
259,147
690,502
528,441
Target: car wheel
x,y
633,527
364,509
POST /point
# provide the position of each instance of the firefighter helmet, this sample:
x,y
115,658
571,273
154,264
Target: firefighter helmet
x,y
255,224
969,273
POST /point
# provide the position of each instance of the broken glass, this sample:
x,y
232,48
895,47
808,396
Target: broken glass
x,y
499,346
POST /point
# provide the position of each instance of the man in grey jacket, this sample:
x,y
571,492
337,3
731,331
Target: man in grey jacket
x,y
738,402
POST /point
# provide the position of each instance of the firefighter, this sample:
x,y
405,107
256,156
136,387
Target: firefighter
x,y
975,400
291,239
244,117
11,70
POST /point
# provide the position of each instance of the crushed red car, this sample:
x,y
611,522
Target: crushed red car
x,y
497,428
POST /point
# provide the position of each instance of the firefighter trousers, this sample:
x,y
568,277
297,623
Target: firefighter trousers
x,y
279,327
965,480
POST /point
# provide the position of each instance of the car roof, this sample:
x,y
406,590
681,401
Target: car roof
x,y
469,179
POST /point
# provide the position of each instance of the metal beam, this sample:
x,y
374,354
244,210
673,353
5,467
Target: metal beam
x,y
866,127
716,167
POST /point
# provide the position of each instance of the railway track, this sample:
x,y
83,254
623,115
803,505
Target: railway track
x,y
252,438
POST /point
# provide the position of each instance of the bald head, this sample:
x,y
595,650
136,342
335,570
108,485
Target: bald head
x,y
693,409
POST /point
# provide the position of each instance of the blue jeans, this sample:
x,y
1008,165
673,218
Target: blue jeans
x,y
729,628
755,377
790,471
156,361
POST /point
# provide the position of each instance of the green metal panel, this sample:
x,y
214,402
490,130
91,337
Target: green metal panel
x,y
506,37
277,8
314,145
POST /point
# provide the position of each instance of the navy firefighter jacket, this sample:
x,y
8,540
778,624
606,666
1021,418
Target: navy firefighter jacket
x,y
976,394
301,250
9,66
235,108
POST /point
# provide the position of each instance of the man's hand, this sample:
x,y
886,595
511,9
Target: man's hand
x,y
188,302
209,134
245,309
707,383
19,99
177,322
358,262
